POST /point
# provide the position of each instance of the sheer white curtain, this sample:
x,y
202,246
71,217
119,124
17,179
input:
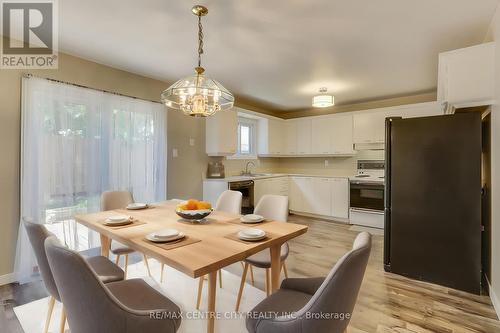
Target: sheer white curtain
x,y
77,143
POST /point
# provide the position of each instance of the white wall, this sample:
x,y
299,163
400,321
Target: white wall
x,y
494,34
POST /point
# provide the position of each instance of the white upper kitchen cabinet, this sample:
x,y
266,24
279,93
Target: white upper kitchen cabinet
x,y
271,139
341,135
290,145
304,136
339,188
321,135
369,127
466,76
276,137
221,132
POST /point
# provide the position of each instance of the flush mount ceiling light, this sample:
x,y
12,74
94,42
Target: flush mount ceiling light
x,y
198,95
323,100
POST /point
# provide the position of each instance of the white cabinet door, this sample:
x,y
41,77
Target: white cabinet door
x,y
423,110
369,127
290,137
221,133
364,131
212,189
341,135
339,197
466,76
321,138
295,196
306,189
304,136
260,187
320,196
276,137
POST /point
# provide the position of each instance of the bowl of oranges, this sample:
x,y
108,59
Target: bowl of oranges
x,y
194,210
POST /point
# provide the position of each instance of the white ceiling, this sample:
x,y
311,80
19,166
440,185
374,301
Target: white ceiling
x,y
280,52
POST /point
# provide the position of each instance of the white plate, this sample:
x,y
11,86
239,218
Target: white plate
x,y
251,239
252,218
252,233
117,224
165,234
137,205
151,237
117,218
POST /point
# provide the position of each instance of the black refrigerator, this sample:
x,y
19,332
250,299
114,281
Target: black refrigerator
x,y
433,199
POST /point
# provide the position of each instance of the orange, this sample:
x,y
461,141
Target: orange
x,y
204,205
192,204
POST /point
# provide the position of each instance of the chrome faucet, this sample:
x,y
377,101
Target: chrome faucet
x,y
246,168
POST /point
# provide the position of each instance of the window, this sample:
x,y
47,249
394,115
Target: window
x,y
77,143
247,138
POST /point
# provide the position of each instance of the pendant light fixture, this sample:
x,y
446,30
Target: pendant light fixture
x,y
198,95
323,100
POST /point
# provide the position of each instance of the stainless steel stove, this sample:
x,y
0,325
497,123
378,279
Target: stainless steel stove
x,y
367,194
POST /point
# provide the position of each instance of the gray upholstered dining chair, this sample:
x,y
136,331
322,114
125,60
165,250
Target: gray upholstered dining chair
x,y
298,305
272,207
105,269
126,306
115,200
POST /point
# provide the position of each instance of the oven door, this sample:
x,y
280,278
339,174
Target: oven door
x,y
367,196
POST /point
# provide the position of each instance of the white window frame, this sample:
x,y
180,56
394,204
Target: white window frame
x,y
253,124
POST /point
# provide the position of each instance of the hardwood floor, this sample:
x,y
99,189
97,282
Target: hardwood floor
x,y
386,303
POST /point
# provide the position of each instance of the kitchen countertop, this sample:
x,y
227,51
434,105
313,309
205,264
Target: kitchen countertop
x,y
270,175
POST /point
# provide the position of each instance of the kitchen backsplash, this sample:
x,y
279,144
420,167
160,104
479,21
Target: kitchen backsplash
x,y
337,166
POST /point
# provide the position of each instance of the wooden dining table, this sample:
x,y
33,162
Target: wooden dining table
x,y
215,246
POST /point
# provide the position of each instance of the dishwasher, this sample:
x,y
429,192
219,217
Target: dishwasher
x,y
246,189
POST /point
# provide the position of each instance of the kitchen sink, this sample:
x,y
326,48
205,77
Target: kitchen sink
x,y
256,174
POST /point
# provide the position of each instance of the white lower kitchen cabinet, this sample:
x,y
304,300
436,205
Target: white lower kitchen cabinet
x,y
321,196
326,196
339,197
275,185
212,189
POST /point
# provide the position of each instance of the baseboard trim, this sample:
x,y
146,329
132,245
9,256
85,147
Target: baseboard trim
x,y
494,299
7,278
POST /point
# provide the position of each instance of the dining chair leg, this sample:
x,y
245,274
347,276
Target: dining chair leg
x,y
126,266
200,289
145,259
63,320
242,285
52,300
251,275
162,271
284,269
117,260
220,278
268,289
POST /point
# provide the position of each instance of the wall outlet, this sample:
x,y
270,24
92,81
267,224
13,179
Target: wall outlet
x,y
175,153
327,163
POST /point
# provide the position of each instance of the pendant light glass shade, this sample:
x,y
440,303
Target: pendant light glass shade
x,y
324,100
197,96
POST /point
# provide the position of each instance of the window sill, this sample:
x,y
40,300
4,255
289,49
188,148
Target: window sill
x,y
242,157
